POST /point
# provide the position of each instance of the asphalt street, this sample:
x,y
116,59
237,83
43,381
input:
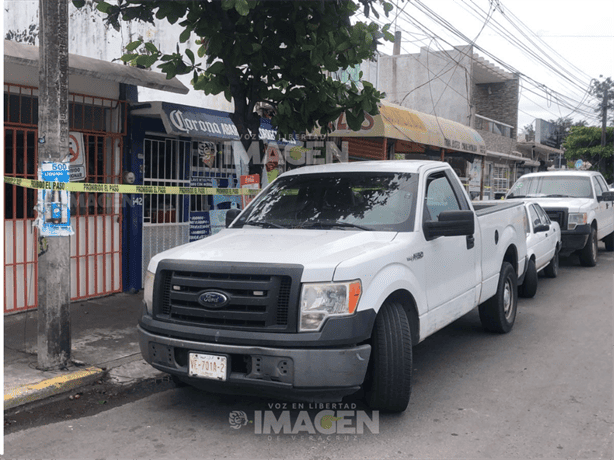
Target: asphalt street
x,y
542,391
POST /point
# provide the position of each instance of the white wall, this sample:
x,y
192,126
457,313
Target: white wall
x,y
89,36
433,82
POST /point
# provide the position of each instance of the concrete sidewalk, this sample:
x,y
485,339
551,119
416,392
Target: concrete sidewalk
x,y
104,344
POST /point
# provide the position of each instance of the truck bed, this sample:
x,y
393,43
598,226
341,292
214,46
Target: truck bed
x,y
483,208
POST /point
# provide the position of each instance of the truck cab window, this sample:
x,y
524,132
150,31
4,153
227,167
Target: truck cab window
x,y
439,197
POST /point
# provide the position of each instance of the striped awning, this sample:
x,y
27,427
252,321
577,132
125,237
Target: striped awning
x,y
396,122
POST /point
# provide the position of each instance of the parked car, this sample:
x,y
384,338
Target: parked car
x,y
579,201
326,280
543,245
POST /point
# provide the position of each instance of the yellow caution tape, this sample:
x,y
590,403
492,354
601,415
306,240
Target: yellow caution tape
x,y
121,188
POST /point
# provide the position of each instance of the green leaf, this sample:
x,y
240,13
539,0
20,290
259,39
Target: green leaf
x,y
146,61
354,121
190,55
217,68
128,57
343,46
275,95
185,35
133,45
103,7
242,7
151,48
228,4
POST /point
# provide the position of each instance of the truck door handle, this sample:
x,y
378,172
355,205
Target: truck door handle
x,y
470,241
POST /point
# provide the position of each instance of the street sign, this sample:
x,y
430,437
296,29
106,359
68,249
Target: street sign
x,y
77,170
579,164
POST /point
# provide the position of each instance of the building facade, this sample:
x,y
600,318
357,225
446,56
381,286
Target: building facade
x,y
461,86
98,120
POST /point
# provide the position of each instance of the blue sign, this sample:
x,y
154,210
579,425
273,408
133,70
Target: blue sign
x,y
200,226
54,202
200,181
579,164
196,122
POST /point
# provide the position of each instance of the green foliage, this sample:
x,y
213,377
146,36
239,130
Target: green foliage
x,y
280,53
584,143
603,91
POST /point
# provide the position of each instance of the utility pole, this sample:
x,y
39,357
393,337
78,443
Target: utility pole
x,y
53,131
604,115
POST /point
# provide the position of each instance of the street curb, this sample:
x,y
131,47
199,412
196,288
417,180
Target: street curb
x,y
24,394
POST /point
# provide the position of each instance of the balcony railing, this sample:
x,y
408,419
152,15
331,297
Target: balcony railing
x,y
493,126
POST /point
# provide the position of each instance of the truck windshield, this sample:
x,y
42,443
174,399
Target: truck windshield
x,y
551,187
340,201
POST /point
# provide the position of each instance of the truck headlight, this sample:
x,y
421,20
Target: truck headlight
x,y
148,291
575,219
322,300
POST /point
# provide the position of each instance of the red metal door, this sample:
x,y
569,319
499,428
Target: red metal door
x,y
95,217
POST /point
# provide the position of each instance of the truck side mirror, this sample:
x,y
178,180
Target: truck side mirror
x,y
450,223
606,196
541,228
231,215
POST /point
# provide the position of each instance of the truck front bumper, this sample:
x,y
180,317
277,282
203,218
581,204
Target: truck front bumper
x,y
294,373
573,240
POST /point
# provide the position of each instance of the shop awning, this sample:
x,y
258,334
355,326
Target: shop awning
x,y
26,55
396,122
200,123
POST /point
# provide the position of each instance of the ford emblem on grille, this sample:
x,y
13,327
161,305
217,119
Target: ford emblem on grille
x,y
213,299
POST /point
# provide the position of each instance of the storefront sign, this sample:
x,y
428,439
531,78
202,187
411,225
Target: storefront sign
x,y
198,123
200,225
250,182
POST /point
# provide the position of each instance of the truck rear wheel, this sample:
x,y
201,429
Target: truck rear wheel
x,y
528,288
498,313
588,254
388,382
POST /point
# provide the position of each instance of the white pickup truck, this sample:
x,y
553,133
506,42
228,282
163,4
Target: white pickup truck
x,y
324,283
580,201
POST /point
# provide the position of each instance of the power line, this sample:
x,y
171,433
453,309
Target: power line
x,y
425,10
563,100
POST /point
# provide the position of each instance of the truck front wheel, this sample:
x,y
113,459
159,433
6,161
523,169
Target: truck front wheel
x,y
588,254
498,313
388,381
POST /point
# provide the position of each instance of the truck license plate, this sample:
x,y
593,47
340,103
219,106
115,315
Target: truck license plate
x,y
207,366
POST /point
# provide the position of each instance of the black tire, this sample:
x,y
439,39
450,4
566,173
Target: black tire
x,y
498,313
529,285
609,242
388,381
588,254
552,269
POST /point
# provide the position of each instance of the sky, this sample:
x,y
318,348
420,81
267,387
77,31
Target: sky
x,y
557,46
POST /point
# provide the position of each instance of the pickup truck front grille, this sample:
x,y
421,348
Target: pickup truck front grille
x,y
257,298
558,215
